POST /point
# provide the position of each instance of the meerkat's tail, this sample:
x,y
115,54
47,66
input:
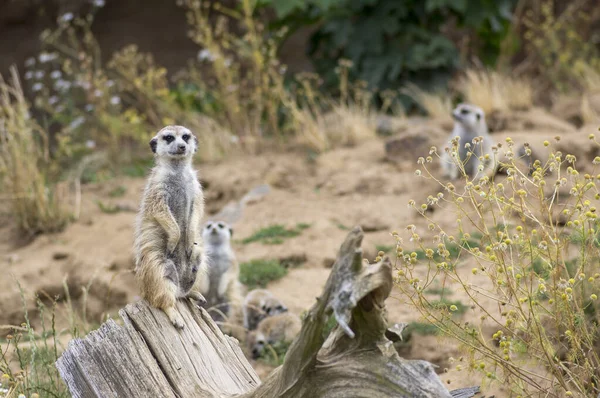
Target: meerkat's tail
x,y
155,287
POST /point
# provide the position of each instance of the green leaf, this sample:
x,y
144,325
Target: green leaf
x,y
284,8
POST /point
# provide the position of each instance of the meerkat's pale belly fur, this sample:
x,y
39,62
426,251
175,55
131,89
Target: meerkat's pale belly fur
x,y
220,261
471,162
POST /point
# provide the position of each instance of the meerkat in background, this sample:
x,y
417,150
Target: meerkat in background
x,y
280,328
258,305
168,247
469,123
220,285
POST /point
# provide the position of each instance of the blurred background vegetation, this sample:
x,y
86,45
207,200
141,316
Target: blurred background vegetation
x,y
86,83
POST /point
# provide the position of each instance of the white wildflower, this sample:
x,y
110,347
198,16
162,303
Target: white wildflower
x,y
110,83
115,100
89,107
91,144
78,121
53,100
98,3
47,57
56,74
98,93
62,85
227,62
37,87
66,17
28,75
39,74
205,54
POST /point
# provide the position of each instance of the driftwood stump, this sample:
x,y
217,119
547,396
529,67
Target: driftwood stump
x,y
147,356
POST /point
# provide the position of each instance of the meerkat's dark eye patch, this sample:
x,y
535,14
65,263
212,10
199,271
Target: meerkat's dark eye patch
x,y
464,111
221,225
169,138
185,137
209,225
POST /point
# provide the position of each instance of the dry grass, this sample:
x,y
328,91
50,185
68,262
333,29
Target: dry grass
x,y
493,91
24,159
437,105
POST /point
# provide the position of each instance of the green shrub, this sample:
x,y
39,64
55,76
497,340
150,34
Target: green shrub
x,y
391,42
258,273
536,287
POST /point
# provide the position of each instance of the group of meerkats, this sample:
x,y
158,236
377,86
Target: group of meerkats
x,y
177,256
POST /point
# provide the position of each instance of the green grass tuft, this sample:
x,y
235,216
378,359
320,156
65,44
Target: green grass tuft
x,y
384,248
258,273
117,192
107,207
275,234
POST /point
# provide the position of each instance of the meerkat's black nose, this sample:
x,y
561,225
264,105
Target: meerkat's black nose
x,y
182,147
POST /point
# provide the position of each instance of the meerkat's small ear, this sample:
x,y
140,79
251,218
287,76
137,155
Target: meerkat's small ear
x,y
153,143
195,143
230,232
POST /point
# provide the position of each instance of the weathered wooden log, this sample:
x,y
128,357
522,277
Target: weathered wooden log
x,y
147,356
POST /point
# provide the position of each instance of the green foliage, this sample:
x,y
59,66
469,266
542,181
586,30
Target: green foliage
x,y
423,329
117,192
275,234
107,207
384,248
390,42
258,273
274,354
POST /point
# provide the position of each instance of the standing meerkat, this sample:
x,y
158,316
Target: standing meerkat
x,y
280,328
220,285
168,247
258,305
469,123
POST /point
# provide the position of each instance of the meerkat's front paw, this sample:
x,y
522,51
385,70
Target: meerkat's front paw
x,y
194,252
196,296
174,317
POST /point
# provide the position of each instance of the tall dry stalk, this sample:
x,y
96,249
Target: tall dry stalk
x,y
24,159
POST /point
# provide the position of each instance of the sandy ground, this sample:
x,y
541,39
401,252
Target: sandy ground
x,y
340,189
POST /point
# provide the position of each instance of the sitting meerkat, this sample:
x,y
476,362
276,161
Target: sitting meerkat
x,y
168,247
469,123
280,328
220,285
258,305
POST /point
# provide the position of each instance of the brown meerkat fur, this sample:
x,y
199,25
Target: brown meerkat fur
x,y
168,247
280,328
469,123
259,304
220,285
